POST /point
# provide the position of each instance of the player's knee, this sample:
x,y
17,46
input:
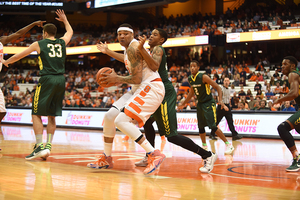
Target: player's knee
x,y
121,120
214,129
111,114
201,130
283,128
172,139
2,114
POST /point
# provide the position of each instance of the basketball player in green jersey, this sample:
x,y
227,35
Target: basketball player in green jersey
x,y
206,106
47,99
5,40
289,68
165,115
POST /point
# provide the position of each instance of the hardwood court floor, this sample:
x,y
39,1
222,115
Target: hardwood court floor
x,y
256,170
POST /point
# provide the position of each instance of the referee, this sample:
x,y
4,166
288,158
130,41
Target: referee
x,y
222,112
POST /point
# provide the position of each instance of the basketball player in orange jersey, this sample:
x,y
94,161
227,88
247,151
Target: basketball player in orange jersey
x,y
135,106
5,40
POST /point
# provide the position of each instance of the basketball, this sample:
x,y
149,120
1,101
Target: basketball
x,y
104,70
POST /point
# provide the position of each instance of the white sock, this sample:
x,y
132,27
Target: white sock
x,y
107,148
147,146
123,123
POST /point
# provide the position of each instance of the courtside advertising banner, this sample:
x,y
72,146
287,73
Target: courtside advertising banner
x,y
263,35
172,42
253,124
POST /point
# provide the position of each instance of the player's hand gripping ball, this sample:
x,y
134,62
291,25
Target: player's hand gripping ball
x,y
104,70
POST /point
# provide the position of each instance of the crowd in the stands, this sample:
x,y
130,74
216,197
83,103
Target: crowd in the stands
x,y
243,19
263,85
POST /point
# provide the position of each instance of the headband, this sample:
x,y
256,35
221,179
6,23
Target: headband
x,y
125,29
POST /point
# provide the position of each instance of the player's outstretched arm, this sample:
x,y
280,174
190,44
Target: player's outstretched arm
x,y
33,47
104,49
6,39
69,31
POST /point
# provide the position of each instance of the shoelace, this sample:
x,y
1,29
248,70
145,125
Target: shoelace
x,y
205,161
48,146
100,158
150,159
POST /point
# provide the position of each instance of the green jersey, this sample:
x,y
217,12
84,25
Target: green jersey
x,y
165,115
163,68
201,90
297,99
52,56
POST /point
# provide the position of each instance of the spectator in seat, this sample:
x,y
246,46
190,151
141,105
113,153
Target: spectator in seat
x,y
260,77
88,103
266,62
173,68
272,108
263,104
276,74
241,106
243,73
73,104
257,86
248,94
16,87
277,89
264,86
269,93
295,105
259,67
266,76
253,77
287,106
232,90
242,92
220,69
251,102
242,82
285,89
208,71
259,94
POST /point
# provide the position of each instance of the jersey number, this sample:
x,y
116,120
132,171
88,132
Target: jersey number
x,y
55,50
196,91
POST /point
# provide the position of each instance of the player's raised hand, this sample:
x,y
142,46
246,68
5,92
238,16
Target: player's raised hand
x,y
102,47
61,15
39,23
142,40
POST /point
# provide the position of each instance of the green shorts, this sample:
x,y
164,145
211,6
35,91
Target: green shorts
x,y
295,120
165,115
206,114
48,96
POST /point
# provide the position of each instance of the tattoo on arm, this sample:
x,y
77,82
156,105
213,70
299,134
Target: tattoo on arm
x,y
157,54
135,59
